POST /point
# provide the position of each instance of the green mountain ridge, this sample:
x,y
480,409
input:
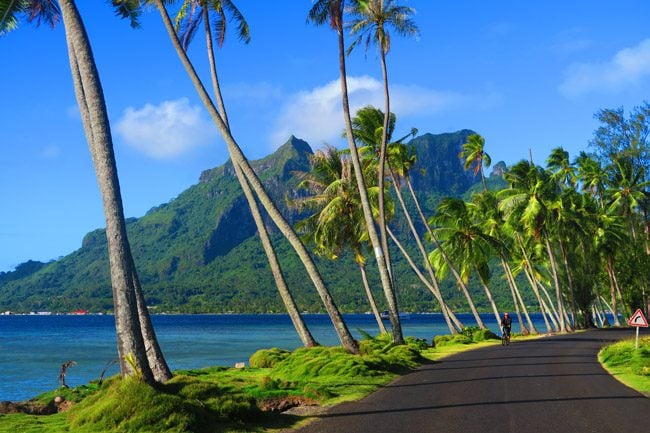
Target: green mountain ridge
x,y
199,252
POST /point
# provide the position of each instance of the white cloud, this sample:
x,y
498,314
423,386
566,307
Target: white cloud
x,y
626,68
316,115
166,130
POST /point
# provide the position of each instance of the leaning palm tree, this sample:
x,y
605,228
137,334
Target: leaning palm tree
x,y
132,10
475,156
188,20
331,12
371,22
367,127
465,244
129,306
336,221
525,205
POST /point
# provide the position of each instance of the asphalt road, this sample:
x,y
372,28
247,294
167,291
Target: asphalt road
x,y
553,384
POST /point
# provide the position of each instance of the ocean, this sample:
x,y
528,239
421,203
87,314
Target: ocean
x,y
33,347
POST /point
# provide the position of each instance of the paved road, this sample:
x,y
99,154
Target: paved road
x,y
550,385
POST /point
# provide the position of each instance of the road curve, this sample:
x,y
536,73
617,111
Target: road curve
x,y
552,384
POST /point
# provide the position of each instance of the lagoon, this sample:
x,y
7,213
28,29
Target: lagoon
x,y
32,347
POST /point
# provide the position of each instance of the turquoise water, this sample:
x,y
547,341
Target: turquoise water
x,y
32,348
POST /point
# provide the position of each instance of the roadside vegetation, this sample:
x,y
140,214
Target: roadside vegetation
x,y
219,399
629,365
279,389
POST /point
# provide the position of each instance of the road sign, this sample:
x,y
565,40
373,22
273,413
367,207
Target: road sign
x,y
638,319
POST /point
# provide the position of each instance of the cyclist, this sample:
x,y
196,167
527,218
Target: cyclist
x,y
506,324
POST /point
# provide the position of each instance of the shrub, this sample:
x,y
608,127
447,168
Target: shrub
x,y
484,334
446,340
268,358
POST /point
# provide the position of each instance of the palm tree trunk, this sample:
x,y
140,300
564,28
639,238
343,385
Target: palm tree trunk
x,y
92,106
157,362
602,299
451,266
371,299
238,158
432,286
488,293
564,327
513,292
382,160
304,334
602,311
572,297
418,241
528,269
556,315
377,245
547,310
610,272
531,325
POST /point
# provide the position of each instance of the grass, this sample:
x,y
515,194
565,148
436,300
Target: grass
x,y
228,400
629,365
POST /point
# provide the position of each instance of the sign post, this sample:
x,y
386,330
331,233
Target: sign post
x,y
637,320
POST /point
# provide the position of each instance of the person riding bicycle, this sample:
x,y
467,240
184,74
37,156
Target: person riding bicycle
x,y
506,324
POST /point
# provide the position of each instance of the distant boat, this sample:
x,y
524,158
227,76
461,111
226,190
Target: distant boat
x,y
386,315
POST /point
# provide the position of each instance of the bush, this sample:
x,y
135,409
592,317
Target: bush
x,y
184,404
446,340
483,335
268,358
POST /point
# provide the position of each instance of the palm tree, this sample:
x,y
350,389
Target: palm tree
x,y
129,306
367,127
132,9
490,218
475,156
371,21
337,220
562,171
331,12
465,244
188,20
525,205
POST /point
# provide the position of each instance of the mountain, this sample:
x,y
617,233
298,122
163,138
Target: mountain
x,y
199,252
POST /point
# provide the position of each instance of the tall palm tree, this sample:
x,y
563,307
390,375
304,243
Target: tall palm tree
x,y
525,205
129,306
239,159
475,156
490,218
188,20
367,127
337,220
562,171
331,12
467,246
372,21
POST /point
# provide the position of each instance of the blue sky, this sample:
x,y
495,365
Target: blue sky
x,y
525,75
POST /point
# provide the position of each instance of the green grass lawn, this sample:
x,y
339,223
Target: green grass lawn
x,y
629,365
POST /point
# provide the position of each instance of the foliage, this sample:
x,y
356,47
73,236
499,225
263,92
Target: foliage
x,y
184,404
268,358
629,365
468,335
624,357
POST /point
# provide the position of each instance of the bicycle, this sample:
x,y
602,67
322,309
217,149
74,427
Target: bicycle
x,y
505,336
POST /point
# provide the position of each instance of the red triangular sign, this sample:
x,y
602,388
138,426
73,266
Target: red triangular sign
x,y
638,319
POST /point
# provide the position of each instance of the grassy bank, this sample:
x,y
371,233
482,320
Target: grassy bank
x,y
629,365
220,399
